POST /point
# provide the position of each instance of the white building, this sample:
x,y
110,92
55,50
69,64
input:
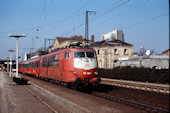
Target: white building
x,y
114,35
156,61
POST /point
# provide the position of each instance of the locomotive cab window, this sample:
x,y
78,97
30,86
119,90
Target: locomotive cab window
x,y
67,55
84,54
79,54
90,54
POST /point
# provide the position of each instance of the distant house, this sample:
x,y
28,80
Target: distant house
x,y
109,51
65,42
166,52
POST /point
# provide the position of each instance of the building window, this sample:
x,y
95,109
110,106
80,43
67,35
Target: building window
x,y
115,51
125,52
100,63
105,51
98,52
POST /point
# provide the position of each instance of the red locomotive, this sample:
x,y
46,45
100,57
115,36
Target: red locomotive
x,y
71,66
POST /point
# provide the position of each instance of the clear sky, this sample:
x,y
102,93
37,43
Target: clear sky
x,y
145,23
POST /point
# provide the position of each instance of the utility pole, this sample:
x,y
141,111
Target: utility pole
x,y
50,40
45,43
86,24
30,49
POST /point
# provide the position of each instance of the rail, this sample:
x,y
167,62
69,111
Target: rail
x,y
159,88
148,108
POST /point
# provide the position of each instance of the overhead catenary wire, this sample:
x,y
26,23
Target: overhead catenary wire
x,y
105,12
113,8
78,26
63,20
143,21
45,11
124,12
110,7
74,14
146,20
60,21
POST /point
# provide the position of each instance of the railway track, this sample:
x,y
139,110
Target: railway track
x,y
159,88
138,105
145,107
41,100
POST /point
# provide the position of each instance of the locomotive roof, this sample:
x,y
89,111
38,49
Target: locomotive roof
x,y
56,51
31,59
59,49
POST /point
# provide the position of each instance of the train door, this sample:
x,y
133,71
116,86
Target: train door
x,y
61,67
44,67
66,61
68,65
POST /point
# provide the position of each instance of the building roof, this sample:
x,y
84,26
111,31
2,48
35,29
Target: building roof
x,y
74,38
110,43
166,51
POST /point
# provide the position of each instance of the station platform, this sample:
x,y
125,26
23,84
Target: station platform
x,y
44,97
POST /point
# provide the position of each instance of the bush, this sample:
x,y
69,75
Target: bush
x,y
136,74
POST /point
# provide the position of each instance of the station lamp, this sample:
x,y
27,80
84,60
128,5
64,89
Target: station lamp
x,y
10,60
17,36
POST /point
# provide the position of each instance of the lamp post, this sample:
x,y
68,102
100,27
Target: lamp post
x,y
10,61
17,36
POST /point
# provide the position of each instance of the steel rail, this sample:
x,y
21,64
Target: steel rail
x,y
159,88
42,101
142,106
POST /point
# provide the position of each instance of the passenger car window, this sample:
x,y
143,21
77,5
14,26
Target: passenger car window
x,y
67,55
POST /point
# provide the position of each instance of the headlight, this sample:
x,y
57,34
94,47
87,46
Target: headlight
x,y
88,73
84,73
75,73
96,73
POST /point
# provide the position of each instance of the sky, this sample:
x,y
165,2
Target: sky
x,y
145,23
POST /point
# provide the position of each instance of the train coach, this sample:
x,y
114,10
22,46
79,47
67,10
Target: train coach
x,y
30,67
68,66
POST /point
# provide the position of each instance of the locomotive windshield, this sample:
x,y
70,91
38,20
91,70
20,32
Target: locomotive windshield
x,y
90,54
83,54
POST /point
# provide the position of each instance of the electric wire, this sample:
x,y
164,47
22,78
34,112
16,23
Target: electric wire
x,y
105,12
45,11
74,14
146,20
109,10
125,12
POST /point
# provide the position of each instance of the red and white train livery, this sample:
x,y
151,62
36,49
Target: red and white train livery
x,y
71,65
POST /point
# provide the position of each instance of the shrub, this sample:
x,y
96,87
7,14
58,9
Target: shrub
x,y
136,74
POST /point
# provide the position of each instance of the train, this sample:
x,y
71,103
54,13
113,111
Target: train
x,y
70,66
